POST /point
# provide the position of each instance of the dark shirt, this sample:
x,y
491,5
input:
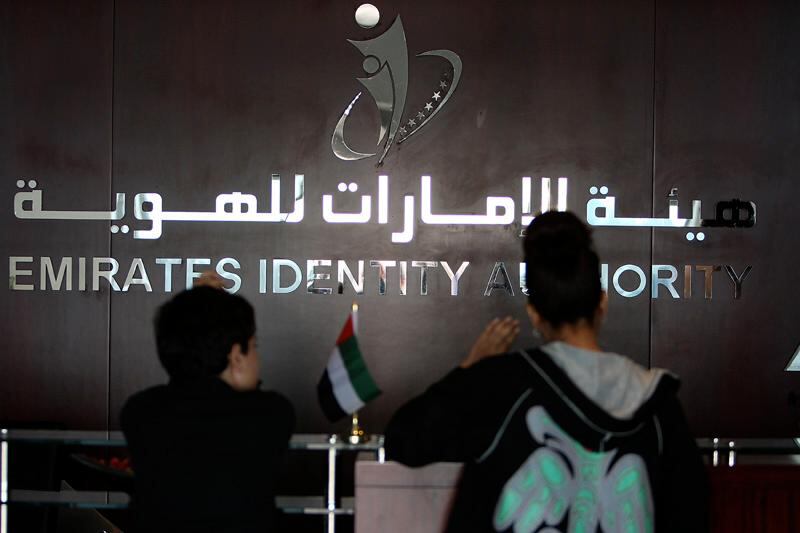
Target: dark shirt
x,y
538,452
205,456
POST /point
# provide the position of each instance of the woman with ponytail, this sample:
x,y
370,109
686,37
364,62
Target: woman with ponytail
x,y
565,437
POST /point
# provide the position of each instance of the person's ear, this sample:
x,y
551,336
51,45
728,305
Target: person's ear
x,y
602,307
232,373
535,317
236,357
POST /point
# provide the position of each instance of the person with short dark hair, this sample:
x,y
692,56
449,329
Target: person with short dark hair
x,y
566,437
206,447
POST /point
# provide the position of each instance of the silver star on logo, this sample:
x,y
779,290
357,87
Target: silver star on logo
x,y
442,84
420,115
402,131
428,106
436,96
412,122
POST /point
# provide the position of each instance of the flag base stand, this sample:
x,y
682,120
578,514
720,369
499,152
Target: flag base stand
x,y
357,435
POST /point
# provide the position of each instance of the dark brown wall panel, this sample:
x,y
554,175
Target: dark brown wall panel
x,y
216,99
55,104
727,127
193,100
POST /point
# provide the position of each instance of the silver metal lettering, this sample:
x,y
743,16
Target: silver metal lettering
x,y
455,278
737,279
191,275
81,273
687,281
382,266
312,276
642,281
666,282
107,274
168,262
235,278
277,288
403,277
523,279
47,273
604,276
15,272
499,279
137,265
546,195
709,279
343,270
563,183
423,274
262,276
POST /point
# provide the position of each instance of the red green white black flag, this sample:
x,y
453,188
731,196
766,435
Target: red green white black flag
x,y
346,385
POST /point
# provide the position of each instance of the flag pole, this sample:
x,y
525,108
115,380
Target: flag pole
x,y
356,433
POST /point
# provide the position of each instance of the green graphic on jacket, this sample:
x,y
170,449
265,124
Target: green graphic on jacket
x,y
576,483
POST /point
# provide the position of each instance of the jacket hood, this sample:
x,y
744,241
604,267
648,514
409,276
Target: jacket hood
x,y
615,383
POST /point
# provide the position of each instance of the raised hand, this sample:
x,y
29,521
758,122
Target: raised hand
x,y
496,339
209,278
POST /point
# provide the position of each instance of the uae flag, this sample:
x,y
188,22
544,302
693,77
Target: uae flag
x,y
346,385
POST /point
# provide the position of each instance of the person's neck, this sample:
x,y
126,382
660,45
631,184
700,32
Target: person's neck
x,y
581,336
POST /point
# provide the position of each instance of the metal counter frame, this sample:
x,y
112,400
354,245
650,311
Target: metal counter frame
x,y
721,452
310,505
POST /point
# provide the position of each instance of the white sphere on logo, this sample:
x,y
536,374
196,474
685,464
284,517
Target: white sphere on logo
x,y
367,16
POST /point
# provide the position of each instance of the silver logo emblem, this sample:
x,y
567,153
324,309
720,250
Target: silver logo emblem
x,y
386,62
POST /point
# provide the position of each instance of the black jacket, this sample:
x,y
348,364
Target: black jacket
x,y
539,453
206,457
